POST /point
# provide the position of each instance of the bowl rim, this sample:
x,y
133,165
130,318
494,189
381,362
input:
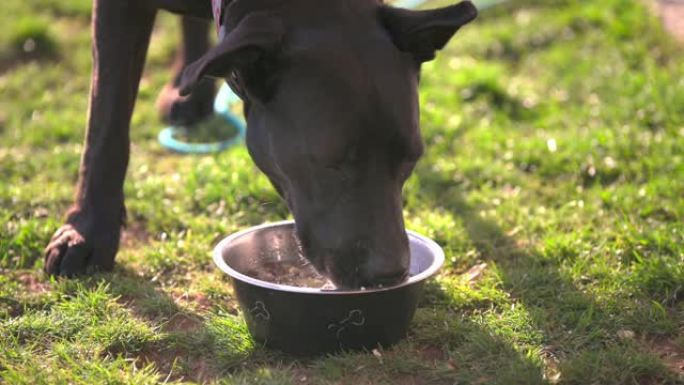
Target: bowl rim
x,y
435,249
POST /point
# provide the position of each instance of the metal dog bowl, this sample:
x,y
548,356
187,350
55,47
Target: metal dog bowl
x,y
304,320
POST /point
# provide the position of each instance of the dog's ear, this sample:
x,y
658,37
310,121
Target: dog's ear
x,y
422,33
254,36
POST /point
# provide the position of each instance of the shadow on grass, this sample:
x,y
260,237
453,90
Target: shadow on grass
x,y
193,345
175,350
475,353
580,336
205,346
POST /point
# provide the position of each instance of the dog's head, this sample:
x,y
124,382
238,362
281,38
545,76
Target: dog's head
x,y
332,108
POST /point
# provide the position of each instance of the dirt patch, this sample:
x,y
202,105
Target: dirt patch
x,y
173,363
182,322
671,12
177,365
432,354
135,234
201,371
32,284
195,300
670,353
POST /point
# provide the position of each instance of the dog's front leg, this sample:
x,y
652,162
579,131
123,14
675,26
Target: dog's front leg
x,y
199,105
90,236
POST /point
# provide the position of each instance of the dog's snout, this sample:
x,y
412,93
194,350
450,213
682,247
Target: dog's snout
x,y
368,267
387,270
385,279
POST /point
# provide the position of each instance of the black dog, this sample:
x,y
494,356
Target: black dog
x,y
330,91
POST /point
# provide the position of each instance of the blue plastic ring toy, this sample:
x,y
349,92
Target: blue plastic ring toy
x,y
225,98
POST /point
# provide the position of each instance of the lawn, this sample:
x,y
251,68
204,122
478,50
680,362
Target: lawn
x,y
553,178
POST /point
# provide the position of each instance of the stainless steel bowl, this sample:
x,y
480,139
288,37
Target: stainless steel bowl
x,y
304,320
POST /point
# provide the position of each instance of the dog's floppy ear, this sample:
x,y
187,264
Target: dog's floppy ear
x,y
255,35
422,33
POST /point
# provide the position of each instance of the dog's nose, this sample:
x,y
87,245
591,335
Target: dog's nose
x,y
375,273
387,280
384,279
388,270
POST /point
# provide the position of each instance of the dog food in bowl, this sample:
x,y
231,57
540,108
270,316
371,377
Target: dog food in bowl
x,y
298,272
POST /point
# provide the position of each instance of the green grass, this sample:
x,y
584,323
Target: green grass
x,y
555,156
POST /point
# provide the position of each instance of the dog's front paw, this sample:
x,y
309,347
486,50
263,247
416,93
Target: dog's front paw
x,y
73,252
